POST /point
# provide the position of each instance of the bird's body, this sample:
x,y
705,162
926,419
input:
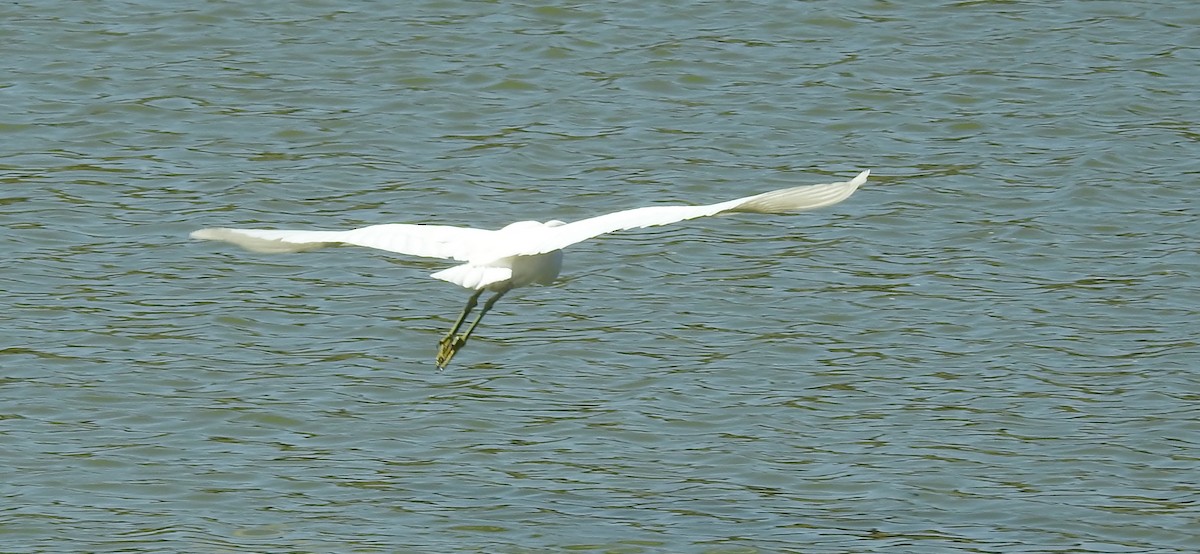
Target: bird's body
x,y
522,253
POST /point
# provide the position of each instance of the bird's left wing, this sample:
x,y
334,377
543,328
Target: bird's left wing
x,y
432,241
783,201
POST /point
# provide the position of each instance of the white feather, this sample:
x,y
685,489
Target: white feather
x,y
517,255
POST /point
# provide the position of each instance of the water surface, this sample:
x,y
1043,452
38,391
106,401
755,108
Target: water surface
x,y
990,348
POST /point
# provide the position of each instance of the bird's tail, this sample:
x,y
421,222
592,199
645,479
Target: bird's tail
x,y
474,276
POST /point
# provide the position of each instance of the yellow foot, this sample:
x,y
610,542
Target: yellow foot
x,y
447,348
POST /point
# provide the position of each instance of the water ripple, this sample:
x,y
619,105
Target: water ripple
x,y
988,349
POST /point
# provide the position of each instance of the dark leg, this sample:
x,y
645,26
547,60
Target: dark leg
x,y
486,306
445,350
450,345
471,302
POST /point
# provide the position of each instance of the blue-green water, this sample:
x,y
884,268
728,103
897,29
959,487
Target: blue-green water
x,y
990,348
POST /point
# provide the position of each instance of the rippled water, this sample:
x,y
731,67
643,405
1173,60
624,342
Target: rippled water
x,y
990,348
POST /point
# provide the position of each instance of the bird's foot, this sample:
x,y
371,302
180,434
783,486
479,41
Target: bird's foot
x,y
448,347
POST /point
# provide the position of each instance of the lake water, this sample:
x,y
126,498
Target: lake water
x,y
989,348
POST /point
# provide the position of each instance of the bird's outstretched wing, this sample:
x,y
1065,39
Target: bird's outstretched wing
x,y
527,238
789,200
431,241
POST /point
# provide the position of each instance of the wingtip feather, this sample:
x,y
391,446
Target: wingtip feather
x,y
803,198
246,238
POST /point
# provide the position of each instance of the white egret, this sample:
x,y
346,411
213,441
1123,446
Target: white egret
x,y
522,253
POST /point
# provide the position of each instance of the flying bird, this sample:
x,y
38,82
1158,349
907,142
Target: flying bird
x,y
521,253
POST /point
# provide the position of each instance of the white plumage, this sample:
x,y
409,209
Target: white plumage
x,y
522,253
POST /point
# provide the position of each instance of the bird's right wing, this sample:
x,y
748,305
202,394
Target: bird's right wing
x,y
783,201
432,241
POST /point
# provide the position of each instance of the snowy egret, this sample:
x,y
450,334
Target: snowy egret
x,y
522,253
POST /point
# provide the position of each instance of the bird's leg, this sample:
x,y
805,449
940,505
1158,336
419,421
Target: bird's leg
x,y
486,306
449,346
444,350
471,303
